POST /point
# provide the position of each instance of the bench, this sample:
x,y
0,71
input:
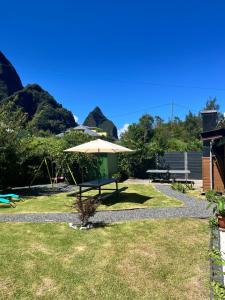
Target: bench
x,y
167,173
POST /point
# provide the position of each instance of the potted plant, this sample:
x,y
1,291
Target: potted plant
x,y
218,203
220,211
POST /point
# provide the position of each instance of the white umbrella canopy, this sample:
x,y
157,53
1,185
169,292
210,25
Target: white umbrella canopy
x,y
99,146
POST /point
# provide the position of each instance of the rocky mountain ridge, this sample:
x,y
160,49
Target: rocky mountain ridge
x,y
96,118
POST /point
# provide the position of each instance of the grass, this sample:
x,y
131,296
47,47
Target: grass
x,y
136,196
197,193
157,259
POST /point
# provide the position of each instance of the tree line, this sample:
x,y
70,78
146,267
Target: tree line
x,y
22,150
151,136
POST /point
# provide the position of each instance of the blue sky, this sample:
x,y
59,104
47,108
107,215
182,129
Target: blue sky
x,y
127,57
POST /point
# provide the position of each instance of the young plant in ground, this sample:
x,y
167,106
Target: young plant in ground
x,y
179,187
86,207
217,288
190,186
211,196
218,291
213,222
121,176
216,257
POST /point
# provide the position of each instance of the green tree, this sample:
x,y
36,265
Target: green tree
x,y
138,137
34,149
211,104
11,130
193,126
158,121
146,126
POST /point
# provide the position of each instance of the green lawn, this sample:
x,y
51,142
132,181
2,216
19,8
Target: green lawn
x,y
197,193
136,196
157,259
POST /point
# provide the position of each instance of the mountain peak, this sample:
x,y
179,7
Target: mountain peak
x,y
9,79
97,109
96,118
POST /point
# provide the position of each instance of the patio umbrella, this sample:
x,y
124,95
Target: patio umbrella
x,y
99,146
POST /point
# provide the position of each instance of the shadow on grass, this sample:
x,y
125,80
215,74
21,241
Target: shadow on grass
x,y
100,224
14,202
2,206
42,190
125,197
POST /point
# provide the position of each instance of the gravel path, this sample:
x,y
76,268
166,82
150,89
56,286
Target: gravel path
x,y
192,208
188,200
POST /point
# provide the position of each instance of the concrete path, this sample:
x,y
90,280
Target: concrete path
x,y
192,208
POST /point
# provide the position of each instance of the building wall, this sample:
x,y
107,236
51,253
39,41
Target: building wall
x,y
109,165
112,164
206,173
218,182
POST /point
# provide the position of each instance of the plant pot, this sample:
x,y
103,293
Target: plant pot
x,y
221,221
89,225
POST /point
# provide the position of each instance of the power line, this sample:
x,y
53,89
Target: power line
x,y
171,85
172,108
141,110
186,107
146,109
155,83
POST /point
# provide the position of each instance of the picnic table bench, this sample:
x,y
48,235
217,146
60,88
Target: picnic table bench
x,y
168,173
97,184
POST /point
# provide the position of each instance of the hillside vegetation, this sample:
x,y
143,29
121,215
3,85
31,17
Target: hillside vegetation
x,y
42,110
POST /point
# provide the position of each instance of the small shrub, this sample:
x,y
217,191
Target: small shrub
x,y
217,288
216,257
213,222
190,186
86,208
211,196
121,176
179,187
218,291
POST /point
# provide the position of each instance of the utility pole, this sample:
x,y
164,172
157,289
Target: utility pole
x,y
172,111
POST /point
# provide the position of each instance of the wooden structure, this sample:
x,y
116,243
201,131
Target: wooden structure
x,y
108,165
213,160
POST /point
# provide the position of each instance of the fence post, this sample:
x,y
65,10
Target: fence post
x,y
186,164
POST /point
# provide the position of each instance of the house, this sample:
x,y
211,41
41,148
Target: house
x,y
85,129
213,158
99,131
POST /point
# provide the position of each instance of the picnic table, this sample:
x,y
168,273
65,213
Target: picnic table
x,y
97,184
168,173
